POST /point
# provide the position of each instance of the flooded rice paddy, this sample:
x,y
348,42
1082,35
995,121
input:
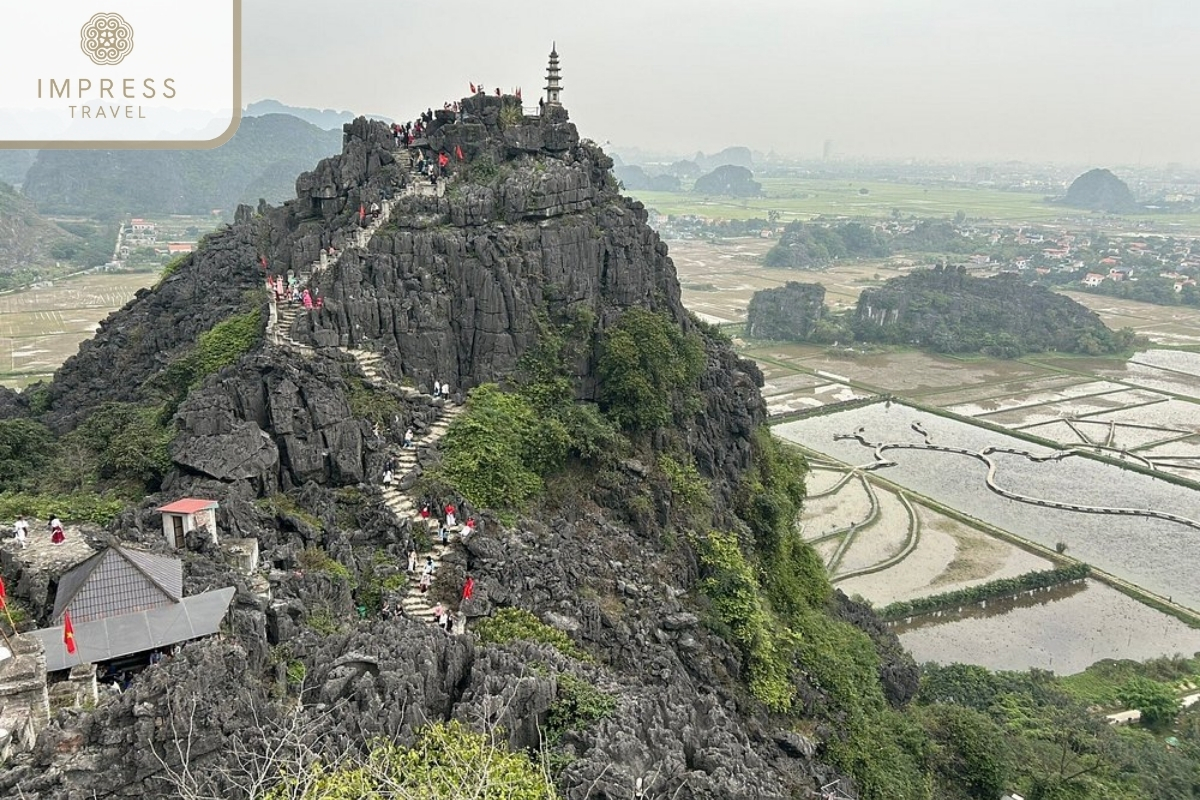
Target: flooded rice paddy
x,y
1158,554
1065,629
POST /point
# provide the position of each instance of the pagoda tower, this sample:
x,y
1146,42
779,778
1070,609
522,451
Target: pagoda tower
x,y
552,78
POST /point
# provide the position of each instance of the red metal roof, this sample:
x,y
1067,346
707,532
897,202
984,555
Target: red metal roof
x,y
188,505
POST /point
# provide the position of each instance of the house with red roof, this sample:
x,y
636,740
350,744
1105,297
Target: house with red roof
x,y
186,515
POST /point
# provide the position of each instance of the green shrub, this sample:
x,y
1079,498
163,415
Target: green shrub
x,y
576,705
119,443
314,559
296,673
686,483
766,647
448,762
80,507
226,342
647,370
26,450
323,622
516,624
382,576
495,452
1158,703
511,114
173,266
218,347
282,505
375,405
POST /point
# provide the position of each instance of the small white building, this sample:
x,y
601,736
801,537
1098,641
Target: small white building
x,y
185,515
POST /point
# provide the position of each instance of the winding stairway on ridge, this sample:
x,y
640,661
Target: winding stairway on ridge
x,y
403,505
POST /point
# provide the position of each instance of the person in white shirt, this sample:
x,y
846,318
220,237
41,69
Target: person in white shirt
x,y
21,530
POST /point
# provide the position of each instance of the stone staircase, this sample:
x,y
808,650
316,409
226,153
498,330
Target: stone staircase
x,y
415,604
403,504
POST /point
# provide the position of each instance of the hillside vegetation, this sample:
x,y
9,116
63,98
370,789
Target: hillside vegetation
x,y
31,245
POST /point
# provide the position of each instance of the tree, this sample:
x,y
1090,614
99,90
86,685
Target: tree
x,y
25,448
647,367
1156,701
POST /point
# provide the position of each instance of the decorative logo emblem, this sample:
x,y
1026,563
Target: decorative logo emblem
x,y
106,39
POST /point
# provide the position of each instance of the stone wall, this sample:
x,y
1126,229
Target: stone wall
x,y
24,701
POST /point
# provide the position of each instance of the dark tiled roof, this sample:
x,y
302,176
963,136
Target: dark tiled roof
x,y
112,637
118,581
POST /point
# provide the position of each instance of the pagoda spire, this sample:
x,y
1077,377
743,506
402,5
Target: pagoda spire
x,y
553,87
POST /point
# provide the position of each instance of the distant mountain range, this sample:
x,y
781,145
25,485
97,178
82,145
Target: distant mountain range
x,y
260,161
324,118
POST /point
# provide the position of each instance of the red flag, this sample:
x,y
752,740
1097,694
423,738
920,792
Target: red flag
x,y
472,88
3,594
443,159
362,212
458,152
68,632
518,92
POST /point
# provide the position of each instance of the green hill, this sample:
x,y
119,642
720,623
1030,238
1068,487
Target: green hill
x,y
261,160
28,243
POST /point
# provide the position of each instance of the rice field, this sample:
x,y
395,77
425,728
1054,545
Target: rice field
x,y
41,328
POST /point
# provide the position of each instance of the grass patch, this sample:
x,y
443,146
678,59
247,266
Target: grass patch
x,y
516,624
283,506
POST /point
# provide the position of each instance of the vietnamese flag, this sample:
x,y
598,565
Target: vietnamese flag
x,y
68,632
458,152
3,594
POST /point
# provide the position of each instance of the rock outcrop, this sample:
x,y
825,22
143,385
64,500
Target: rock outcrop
x,y
788,312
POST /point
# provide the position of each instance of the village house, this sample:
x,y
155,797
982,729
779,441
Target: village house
x,y
1093,279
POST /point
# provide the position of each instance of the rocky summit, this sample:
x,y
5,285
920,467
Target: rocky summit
x,y
615,616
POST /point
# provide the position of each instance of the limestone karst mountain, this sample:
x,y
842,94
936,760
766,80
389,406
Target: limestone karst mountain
x,y
522,266
1100,190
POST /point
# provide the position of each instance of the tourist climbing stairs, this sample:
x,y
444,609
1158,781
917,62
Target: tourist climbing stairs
x,y
398,495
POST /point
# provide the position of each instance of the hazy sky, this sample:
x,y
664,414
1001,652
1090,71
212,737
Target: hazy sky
x,y
1077,81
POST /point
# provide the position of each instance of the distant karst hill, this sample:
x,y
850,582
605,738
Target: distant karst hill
x,y
736,156
1100,190
807,246
260,161
942,309
634,178
729,180
949,311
